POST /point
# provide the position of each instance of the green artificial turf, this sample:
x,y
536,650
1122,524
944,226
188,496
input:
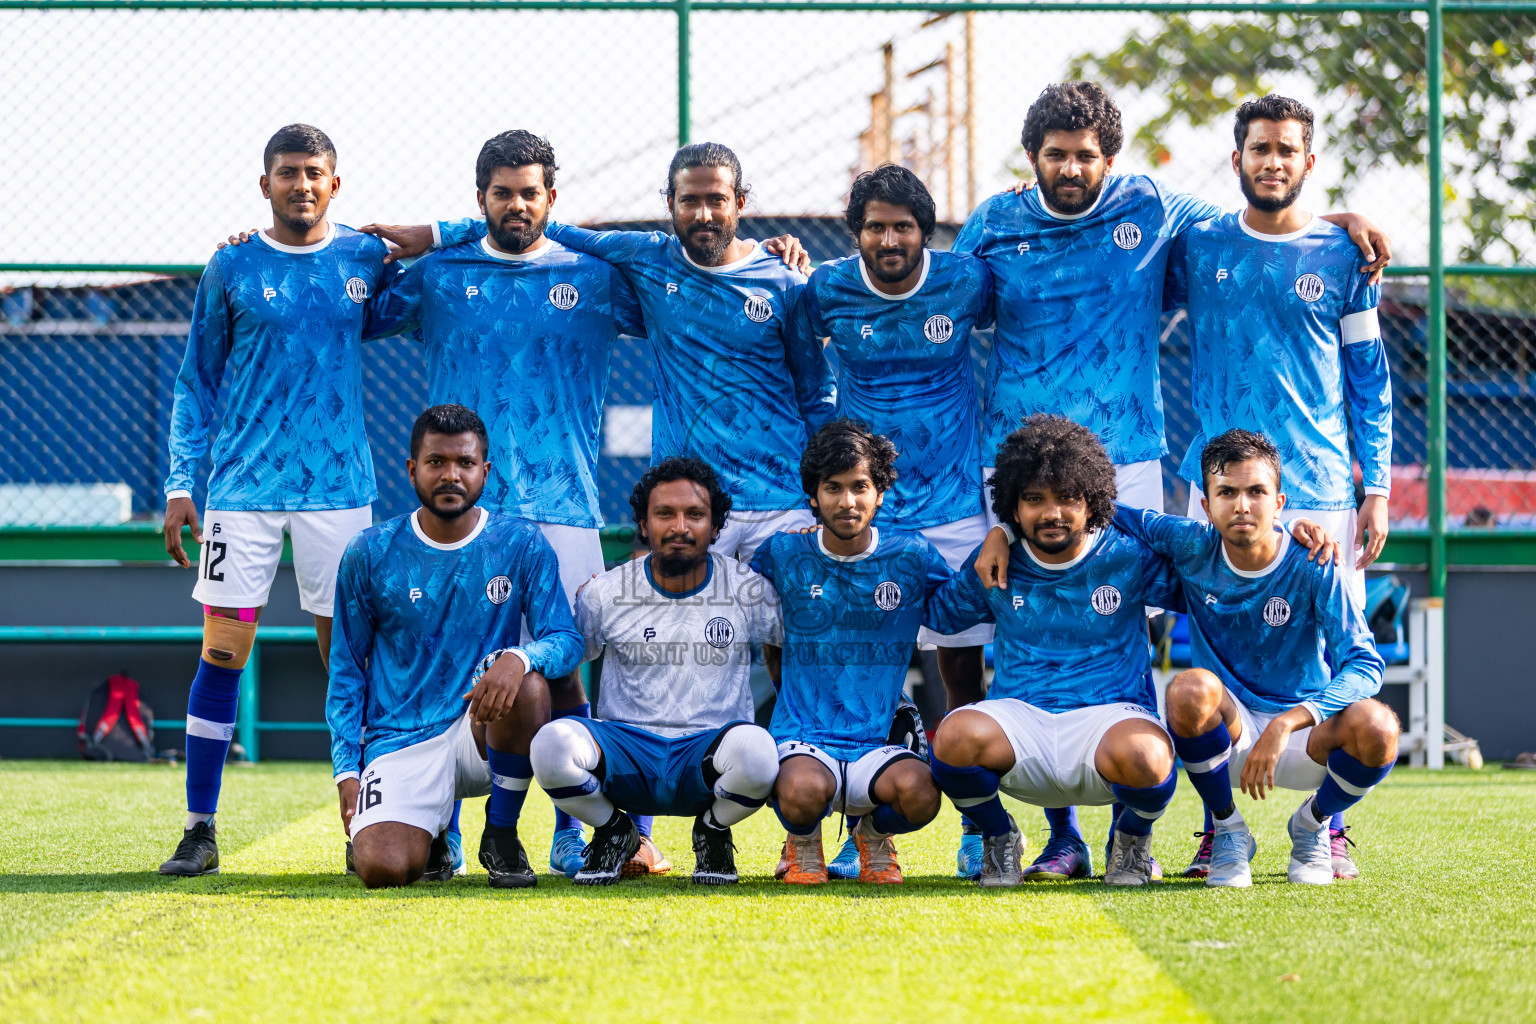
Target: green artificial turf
x,y
1439,929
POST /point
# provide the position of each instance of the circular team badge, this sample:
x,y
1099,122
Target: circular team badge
x,y
1127,235
887,596
1277,611
1309,287
757,308
719,632
499,589
1105,600
357,289
563,296
938,328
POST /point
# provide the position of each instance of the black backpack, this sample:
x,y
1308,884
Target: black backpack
x,y
115,725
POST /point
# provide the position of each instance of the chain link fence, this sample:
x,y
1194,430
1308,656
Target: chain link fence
x,y
134,136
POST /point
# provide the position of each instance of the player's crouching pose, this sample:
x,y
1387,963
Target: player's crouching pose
x,y
1068,719
423,600
854,597
1285,664
673,733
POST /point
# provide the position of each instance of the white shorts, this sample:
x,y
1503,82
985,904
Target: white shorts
x,y
1137,484
1053,754
1342,524
241,551
417,785
955,541
745,531
1296,769
855,779
579,553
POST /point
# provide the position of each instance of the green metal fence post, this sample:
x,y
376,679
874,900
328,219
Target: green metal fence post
x,y
684,44
1435,51
250,700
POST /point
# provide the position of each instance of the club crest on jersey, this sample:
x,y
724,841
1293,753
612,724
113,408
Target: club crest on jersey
x,y
757,308
887,596
1105,600
719,632
1309,287
357,289
499,589
563,295
1277,611
938,328
1127,235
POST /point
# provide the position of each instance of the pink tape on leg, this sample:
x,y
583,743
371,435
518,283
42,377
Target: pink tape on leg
x,y
242,614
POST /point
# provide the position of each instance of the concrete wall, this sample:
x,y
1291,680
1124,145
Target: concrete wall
x,y
1490,629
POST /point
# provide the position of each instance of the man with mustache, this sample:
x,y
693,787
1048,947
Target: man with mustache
x,y
1285,341
1079,265
284,316
899,317
521,329
432,608
734,387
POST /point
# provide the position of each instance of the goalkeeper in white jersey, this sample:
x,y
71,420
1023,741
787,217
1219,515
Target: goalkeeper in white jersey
x,y
673,732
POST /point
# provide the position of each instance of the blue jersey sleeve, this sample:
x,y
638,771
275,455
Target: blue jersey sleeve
x,y
815,387
556,648
621,248
1173,537
627,316
972,235
1351,649
958,603
1183,211
1368,384
457,232
197,385
351,646
986,298
1176,278
397,308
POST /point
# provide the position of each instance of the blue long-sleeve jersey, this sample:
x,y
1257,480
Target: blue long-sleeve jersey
x,y
849,626
1285,340
1071,635
287,323
1078,302
731,388
414,618
904,370
525,340
1286,635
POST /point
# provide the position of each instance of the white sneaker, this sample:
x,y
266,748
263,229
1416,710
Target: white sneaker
x,y
1232,851
1311,852
1002,858
1130,860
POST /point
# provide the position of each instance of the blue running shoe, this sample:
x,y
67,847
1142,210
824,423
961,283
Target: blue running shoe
x,y
565,852
1232,849
846,864
969,857
1064,857
456,851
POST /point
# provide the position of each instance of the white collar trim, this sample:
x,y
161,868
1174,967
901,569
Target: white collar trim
x,y
1254,574
1057,215
330,236
921,278
429,542
515,257
1291,236
726,268
1093,542
874,542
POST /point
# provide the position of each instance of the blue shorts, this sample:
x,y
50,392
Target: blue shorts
x,y
650,774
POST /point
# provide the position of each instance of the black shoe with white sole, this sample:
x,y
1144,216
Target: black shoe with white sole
x,y
501,854
714,855
610,849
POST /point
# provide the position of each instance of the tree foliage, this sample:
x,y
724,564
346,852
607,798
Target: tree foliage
x,y
1370,70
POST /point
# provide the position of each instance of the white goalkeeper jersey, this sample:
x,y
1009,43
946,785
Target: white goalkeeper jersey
x,y
677,663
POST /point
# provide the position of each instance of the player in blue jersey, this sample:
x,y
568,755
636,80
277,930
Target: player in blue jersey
x,y
853,598
673,733
1310,370
732,388
431,606
1079,265
1285,665
899,316
1069,718
283,317
521,329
